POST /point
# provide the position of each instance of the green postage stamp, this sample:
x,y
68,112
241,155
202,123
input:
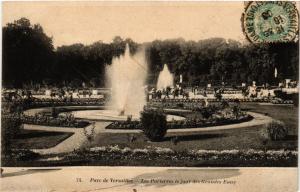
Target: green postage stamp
x,y
270,21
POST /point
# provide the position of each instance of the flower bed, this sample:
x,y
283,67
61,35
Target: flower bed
x,y
36,103
280,101
159,156
48,117
211,115
189,122
61,121
17,156
207,123
246,99
248,157
125,125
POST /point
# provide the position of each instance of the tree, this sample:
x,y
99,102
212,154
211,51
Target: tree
x,y
94,82
27,53
29,56
261,63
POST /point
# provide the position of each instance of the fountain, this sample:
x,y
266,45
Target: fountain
x,y
165,78
126,76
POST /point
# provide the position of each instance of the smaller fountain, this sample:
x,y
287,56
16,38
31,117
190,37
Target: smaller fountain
x,y
165,79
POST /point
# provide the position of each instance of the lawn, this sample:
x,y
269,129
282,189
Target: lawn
x,y
245,138
286,113
33,139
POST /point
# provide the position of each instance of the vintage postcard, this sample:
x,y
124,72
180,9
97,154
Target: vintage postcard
x,y
149,96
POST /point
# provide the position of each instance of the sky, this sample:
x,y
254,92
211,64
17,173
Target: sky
x,y
88,22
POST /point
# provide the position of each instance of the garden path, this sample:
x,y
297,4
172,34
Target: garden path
x,y
78,138
258,119
74,142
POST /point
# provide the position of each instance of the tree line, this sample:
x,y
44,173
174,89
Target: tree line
x,y
29,57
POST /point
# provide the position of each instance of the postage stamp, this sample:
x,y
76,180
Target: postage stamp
x,y
270,22
142,96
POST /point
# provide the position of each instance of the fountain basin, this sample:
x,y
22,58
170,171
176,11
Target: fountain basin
x,y
113,115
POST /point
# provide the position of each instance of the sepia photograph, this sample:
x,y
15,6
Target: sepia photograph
x,y
158,85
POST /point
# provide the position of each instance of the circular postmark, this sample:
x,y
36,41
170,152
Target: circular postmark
x,y
270,21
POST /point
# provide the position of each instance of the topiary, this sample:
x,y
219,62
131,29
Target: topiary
x,y
154,124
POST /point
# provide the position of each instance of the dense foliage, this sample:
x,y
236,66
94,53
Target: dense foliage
x,y
28,53
29,56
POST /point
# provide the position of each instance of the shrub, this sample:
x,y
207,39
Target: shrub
x,y
54,112
154,124
207,112
296,99
224,104
129,118
283,95
180,105
25,155
218,96
236,111
10,127
236,101
276,130
245,91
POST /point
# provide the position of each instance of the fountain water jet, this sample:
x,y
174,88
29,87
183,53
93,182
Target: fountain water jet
x,y
126,76
165,78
